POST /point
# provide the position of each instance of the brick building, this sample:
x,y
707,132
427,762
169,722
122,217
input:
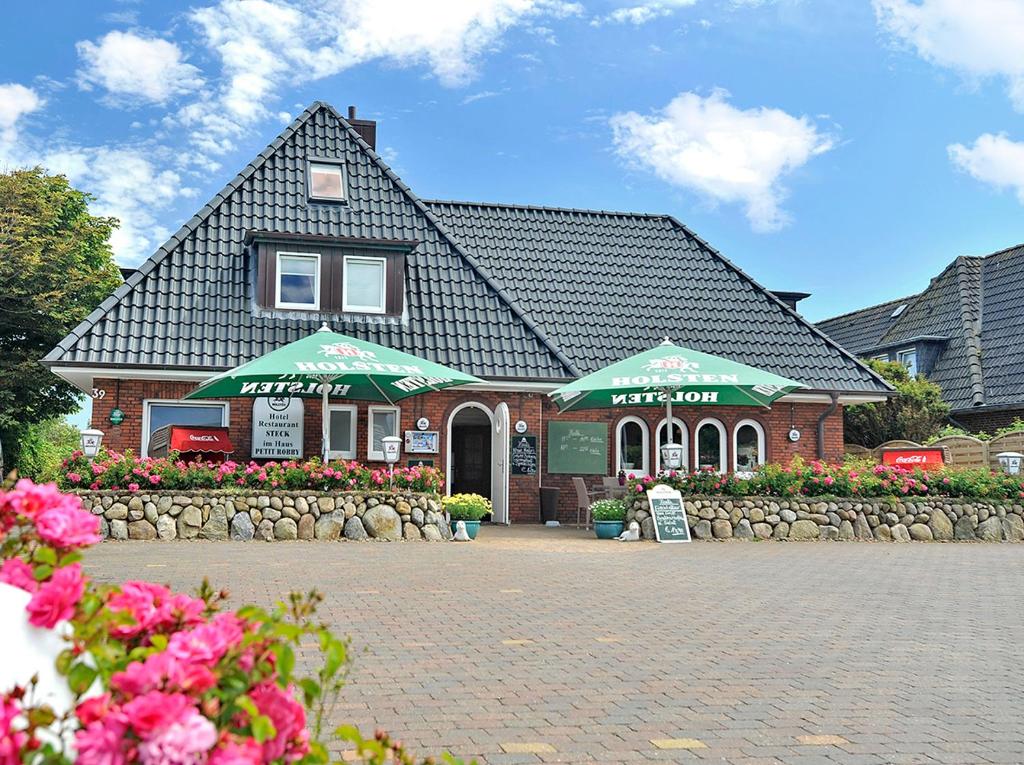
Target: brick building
x,y
317,228
963,332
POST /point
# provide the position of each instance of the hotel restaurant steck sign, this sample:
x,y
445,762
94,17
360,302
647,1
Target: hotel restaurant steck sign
x,y
277,428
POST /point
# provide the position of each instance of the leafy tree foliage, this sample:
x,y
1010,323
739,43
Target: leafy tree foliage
x,y
916,414
56,266
44,446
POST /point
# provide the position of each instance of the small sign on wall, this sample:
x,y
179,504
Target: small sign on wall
x,y
277,428
421,441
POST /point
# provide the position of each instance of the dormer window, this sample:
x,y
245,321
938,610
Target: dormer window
x,y
298,280
908,358
364,284
326,182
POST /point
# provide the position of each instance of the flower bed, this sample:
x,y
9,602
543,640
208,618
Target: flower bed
x,y
852,479
149,676
126,472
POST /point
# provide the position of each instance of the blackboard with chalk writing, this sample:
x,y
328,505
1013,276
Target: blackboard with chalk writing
x,y
523,459
669,514
579,448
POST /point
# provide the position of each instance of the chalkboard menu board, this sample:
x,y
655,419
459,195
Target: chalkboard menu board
x,y
669,514
579,448
524,455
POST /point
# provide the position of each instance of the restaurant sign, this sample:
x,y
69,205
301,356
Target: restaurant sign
x,y
277,427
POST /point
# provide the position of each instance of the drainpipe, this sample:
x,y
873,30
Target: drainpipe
x,y
821,424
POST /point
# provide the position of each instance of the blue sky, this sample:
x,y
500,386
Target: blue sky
x,y
848,149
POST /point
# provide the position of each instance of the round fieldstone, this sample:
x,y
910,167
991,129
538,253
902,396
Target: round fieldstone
x,y
646,528
990,530
900,533
265,530
216,528
743,530
411,532
781,530
920,533
787,515
118,529
306,528
285,528
417,516
329,525
803,530
166,528
141,530
721,529
355,530
117,511
702,529
383,522
846,532
242,527
431,533
762,530
1013,527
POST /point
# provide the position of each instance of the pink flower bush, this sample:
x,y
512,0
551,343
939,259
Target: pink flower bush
x,y
65,525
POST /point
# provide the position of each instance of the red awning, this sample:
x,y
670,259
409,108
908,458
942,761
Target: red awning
x,y
185,439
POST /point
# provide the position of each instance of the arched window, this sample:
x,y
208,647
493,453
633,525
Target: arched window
x,y
679,434
747,446
632,447
709,446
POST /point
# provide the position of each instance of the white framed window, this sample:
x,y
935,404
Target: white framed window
x,y
748,447
381,421
298,280
364,285
908,358
341,431
632,446
680,435
709,446
326,181
156,413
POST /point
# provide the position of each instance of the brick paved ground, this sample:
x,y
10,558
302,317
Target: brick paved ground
x,y
534,645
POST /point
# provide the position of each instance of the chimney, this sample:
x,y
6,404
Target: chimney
x,y
367,129
790,298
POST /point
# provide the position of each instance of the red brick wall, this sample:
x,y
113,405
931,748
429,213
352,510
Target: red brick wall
x,y
989,421
534,408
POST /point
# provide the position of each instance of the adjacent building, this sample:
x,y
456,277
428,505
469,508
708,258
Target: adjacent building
x,y
964,332
318,228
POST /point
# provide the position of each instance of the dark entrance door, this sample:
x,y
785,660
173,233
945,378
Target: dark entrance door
x,y
471,459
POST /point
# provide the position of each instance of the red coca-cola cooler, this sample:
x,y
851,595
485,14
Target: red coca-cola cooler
x,y
923,457
192,442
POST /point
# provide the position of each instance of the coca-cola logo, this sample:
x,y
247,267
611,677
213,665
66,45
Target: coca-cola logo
x,y
206,439
911,459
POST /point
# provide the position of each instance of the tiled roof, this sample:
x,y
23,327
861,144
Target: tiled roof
x,y
977,303
191,303
605,285
495,290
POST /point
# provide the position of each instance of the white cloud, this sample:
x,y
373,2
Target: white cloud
x,y
263,44
480,96
993,159
980,38
722,152
15,102
136,68
642,13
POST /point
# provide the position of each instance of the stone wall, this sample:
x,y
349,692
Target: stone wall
x,y
220,515
886,520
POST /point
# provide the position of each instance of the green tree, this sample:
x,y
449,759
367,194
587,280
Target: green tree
x,y
56,266
917,413
44,446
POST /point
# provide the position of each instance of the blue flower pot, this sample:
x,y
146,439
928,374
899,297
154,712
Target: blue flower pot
x,y
472,528
607,529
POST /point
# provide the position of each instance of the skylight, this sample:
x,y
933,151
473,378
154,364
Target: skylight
x,y
899,309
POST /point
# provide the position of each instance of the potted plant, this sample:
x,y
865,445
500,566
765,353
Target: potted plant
x,y
469,508
608,516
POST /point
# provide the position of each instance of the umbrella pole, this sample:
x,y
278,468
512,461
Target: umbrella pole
x,y
669,430
325,424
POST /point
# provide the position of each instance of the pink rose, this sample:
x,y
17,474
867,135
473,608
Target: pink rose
x,y
67,525
11,741
93,709
154,479
181,742
288,717
56,599
28,498
18,573
74,477
207,643
155,711
104,741
133,487
245,752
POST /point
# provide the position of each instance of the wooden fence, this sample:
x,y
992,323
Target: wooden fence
x,y
962,451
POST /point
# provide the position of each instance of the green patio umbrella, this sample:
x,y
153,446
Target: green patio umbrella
x,y
670,374
330,365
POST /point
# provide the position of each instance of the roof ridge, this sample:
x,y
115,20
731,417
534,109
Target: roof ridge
x,y
908,298
971,327
453,243
997,252
771,296
545,208
187,228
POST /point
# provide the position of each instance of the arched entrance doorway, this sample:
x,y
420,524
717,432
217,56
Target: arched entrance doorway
x,y
470,429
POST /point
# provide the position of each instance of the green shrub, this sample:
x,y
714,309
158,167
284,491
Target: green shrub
x,y
44,447
466,507
608,510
